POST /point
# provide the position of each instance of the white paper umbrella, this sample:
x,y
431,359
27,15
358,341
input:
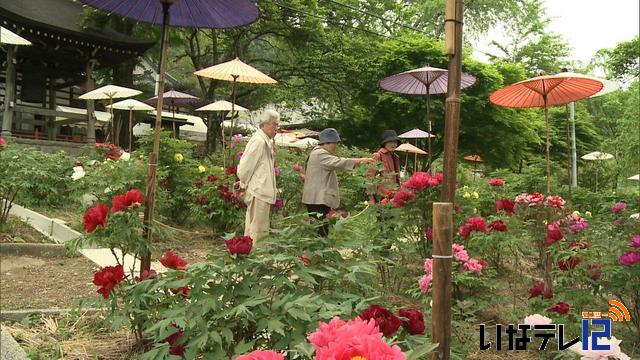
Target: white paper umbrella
x,y
634,177
131,105
597,156
110,92
9,37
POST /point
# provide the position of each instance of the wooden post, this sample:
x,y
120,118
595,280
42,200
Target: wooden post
x,y
452,110
9,92
145,263
442,258
91,121
52,106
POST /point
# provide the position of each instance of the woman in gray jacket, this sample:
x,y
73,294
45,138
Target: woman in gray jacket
x,y
321,192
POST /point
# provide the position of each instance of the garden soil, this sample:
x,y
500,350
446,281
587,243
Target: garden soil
x,y
41,283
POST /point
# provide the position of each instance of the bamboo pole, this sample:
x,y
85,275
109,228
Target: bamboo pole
x,y
145,263
452,110
442,258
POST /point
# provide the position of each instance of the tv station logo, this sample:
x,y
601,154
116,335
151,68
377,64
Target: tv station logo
x,y
595,325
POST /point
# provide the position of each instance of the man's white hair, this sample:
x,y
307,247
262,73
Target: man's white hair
x,y
267,116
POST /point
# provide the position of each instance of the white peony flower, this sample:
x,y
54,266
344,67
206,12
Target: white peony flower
x,y
125,156
78,173
537,319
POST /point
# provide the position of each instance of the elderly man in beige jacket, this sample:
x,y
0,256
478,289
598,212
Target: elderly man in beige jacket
x,y
321,192
257,176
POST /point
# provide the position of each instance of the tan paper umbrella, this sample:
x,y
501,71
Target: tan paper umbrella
x,y
235,71
131,105
475,159
110,92
222,106
9,37
634,177
408,148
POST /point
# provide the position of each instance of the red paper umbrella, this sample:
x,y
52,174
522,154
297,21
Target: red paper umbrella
x,y
544,91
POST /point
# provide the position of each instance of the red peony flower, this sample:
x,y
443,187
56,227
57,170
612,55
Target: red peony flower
x,y
262,355
173,261
428,233
240,245
536,290
498,225
569,264
147,274
386,321
202,200
107,278
554,234
132,198
415,323
477,224
198,184
420,180
581,244
94,217
278,205
212,178
184,291
173,339
337,212
560,308
464,231
3,143
505,205
231,170
496,182
384,201
597,274
402,197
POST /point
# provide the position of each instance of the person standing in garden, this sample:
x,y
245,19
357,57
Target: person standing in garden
x,y
321,193
390,172
257,176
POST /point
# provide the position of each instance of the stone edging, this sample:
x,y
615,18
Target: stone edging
x,y
31,249
10,349
54,229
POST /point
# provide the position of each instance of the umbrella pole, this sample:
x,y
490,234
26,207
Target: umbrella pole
x,y
406,162
224,150
233,106
429,159
546,125
130,128
569,158
145,263
113,120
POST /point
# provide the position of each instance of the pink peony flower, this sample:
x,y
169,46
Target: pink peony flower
x,y
337,213
496,182
337,329
420,180
473,266
424,283
239,154
301,176
555,201
278,205
579,225
297,167
276,170
461,255
429,234
262,355
530,199
635,241
614,350
618,207
428,266
537,319
3,143
629,258
358,348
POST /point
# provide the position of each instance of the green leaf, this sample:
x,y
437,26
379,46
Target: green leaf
x,y
421,352
277,326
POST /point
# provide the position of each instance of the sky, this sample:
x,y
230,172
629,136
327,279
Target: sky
x,y
588,25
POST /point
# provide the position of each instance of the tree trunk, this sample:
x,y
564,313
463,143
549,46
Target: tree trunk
x,y
213,129
123,76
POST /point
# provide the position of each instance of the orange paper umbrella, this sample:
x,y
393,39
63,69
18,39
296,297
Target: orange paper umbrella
x,y
473,158
544,91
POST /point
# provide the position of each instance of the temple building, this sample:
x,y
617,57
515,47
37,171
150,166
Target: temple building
x,y
40,83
